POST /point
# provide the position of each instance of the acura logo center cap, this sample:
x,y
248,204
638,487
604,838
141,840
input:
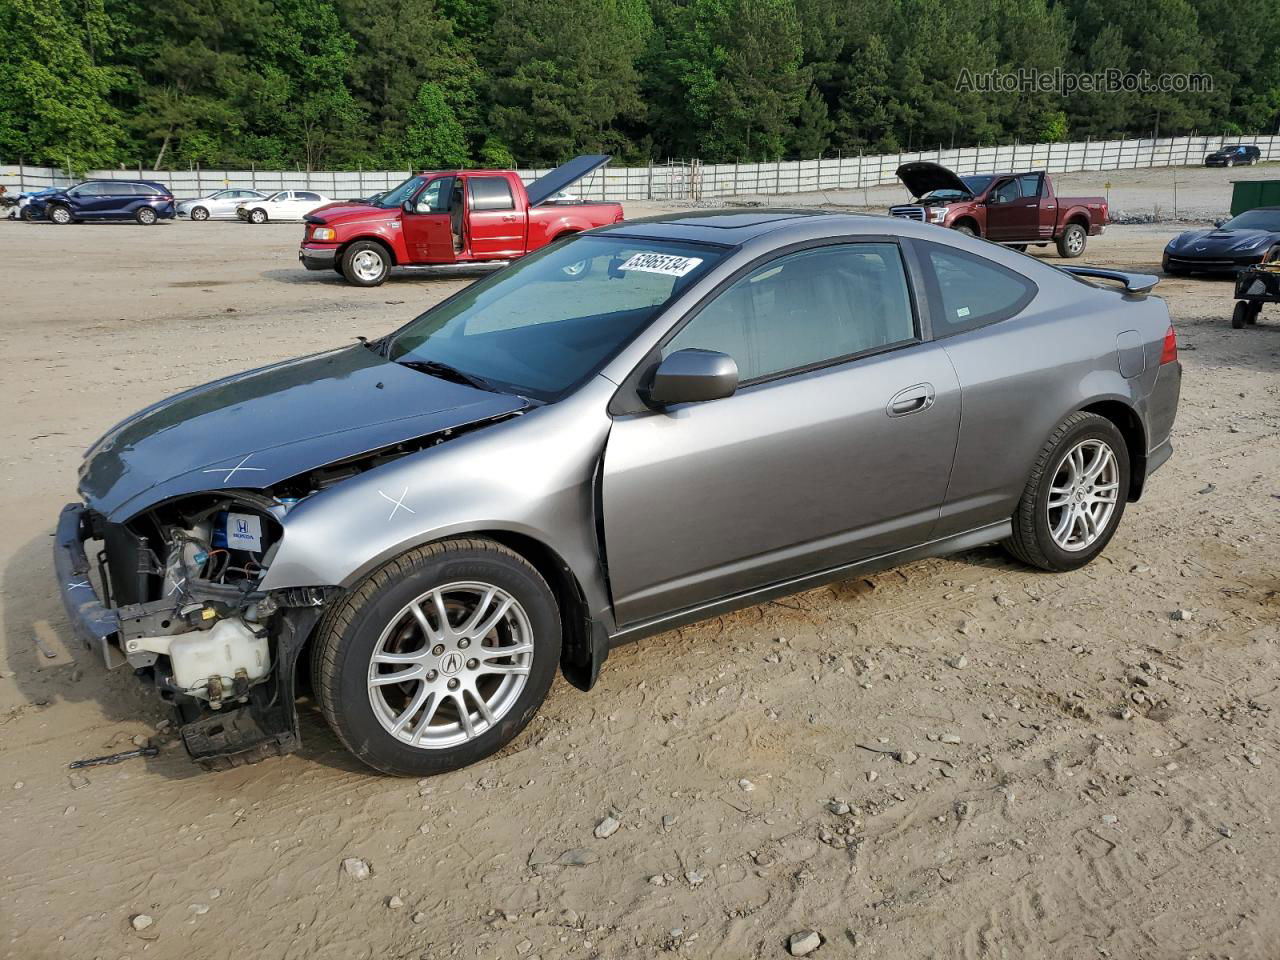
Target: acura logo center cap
x,y
451,663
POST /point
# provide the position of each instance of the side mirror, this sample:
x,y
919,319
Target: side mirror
x,y
1218,223
693,376
407,206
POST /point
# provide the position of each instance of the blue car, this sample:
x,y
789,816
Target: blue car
x,y
142,200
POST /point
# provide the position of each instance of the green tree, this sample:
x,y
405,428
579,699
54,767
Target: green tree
x,y
400,45
54,98
565,78
434,139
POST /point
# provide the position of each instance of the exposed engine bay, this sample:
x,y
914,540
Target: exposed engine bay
x,y
183,580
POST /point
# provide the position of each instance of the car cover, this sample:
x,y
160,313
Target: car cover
x,y
564,176
924,177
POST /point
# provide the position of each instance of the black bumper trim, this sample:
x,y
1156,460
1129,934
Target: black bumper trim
x,y
91,620
318,258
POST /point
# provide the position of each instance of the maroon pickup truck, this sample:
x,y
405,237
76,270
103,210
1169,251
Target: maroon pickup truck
x,y
1016,209
450,217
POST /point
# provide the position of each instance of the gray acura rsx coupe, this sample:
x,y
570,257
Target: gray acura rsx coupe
x,y
632,429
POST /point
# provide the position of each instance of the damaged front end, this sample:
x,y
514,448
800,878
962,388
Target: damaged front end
x,y
175,593
186,504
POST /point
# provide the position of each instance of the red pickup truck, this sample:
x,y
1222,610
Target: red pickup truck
x,y
450,217
1016,209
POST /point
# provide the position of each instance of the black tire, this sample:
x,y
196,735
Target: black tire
x,y
1032,542
60,215
356,258
29,215
1072,242
199,213
1240,315
965,229
257,215
1255,311
349,633
146,216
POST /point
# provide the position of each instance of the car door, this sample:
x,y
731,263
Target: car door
x,y
980,314
1012,216
92,200
428,235
836,446
223,203
495,228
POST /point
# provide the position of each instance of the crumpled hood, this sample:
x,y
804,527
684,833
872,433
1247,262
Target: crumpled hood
x,y
924,177
1218,240
258,428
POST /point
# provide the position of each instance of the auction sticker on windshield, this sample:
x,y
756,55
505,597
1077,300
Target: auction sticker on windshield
x,y
663,263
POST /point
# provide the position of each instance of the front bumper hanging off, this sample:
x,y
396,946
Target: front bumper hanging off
x,y
91,620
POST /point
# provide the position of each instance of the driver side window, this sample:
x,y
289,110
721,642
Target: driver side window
x,y
807,309
1006,192
434,197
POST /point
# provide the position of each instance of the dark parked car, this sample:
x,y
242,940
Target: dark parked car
x,y
142,200
631,429
1252,237
1238,156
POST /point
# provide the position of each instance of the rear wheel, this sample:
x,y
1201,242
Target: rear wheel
x,y
1075,496
1072,242
1255,310
199,213
145,216
439,658
59,214
1240,315
366,264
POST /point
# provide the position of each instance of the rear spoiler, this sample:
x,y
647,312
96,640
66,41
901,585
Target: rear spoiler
x,y
1133,282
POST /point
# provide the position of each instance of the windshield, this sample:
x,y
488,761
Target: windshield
x,y
975,184
398,195
546,323
1255,220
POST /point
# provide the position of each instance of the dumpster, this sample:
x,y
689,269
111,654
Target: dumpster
x,y
1250,194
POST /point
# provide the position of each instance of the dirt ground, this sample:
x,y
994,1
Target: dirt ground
x,y
1093,776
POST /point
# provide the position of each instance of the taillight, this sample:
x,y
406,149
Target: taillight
x,y
1170,352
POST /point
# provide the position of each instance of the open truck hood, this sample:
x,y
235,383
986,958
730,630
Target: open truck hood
x,y
924,177
564,176
255,429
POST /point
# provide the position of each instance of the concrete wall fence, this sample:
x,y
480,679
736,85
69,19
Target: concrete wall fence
x,y
694,180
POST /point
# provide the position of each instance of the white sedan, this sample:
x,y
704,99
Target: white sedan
x,y
218,206
284,205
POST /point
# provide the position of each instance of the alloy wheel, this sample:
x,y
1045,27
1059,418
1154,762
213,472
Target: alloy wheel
x,y
450,665
367,266
1083,495
1075,241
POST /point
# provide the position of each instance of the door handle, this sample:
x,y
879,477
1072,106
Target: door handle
x,y
911,400
508,219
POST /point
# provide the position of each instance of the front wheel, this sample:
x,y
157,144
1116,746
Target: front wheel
x,y
965,229
1071,243
1075,496
1240,315
199,213
257,215
439,658
366,264
59,214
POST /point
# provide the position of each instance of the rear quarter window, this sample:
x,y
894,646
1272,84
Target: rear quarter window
x,y
490,193
970,291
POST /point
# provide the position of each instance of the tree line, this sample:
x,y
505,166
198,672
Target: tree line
x,y
404,84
